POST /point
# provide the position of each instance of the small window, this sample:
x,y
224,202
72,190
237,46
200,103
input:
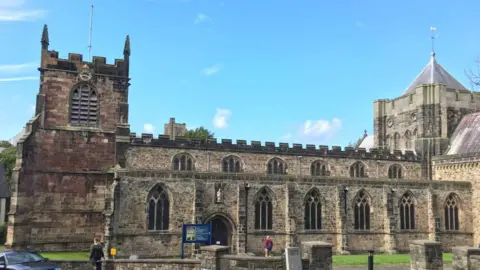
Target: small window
x,y
318,168
158,210
357,170
276,166
395,172
231,164
183,162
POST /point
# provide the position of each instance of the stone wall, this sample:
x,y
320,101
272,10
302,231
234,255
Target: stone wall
x,y
192,199
462,168
160,158
466,258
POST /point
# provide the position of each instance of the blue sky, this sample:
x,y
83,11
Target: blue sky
x,y
286,71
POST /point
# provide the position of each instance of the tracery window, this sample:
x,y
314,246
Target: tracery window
x,y
84,106
318,168
263,210
183,162
313,210
362,211
158,209
276,166
357,169
395,172
407,212
231,164
451,213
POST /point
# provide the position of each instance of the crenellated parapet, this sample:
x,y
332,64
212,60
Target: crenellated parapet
x,y
76,63
146,139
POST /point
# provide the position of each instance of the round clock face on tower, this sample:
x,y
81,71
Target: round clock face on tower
x,y
85,75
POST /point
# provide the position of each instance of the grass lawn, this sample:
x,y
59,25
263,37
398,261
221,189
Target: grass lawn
x,y
62,255
380,259
337,259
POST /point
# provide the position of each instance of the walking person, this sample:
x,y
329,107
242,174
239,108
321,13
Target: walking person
x,y
96,254
268,246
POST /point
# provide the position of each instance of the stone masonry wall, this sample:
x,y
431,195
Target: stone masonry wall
x,y
62,189
462,168
132,237
156,158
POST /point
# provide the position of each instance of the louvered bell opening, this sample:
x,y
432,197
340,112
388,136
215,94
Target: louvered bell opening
x,y
84,106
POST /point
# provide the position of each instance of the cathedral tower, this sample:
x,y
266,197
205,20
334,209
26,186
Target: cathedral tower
x,y
79,131
425,116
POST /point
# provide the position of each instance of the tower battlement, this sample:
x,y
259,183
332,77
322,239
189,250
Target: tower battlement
x,y
75,62
146,139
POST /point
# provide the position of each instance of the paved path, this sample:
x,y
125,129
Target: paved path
x,y
384,267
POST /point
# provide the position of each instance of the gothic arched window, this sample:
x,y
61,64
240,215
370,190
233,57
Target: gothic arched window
x,y
396,141
158,209
408,140
407,212
183,162
231,164
395,172
276,166
84,106
362,211
313,211
451,213
357,169
318,168
263,210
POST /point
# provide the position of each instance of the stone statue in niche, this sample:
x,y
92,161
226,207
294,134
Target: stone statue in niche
x,y
218,193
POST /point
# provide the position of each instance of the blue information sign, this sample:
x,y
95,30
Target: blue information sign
x,y
196,233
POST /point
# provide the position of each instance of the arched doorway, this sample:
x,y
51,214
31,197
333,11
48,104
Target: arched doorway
x,y
221,230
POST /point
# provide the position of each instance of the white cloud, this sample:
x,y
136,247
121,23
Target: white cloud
x,y
148,128
201,18
17,68
321,128
359,24
15,79
15,10
313,131
209,71
220,120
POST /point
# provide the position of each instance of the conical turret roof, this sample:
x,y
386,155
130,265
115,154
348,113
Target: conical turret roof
x,y
434,73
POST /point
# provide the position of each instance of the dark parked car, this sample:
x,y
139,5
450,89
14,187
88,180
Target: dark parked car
x,y
12,260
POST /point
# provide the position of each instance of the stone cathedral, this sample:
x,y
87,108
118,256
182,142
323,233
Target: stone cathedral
x,y
81,172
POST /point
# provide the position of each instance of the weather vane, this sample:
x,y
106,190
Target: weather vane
x,y
433,37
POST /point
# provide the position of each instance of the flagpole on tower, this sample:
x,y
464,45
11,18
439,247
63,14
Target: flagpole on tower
x,y
432,37
90,35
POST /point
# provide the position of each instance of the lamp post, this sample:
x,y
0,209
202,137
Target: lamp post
x,y
246,187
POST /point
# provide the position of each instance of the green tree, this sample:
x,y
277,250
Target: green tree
x,y
8,157
200,133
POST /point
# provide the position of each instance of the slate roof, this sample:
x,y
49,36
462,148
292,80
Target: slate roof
x,y
4,190
466,138
367,142
433,72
